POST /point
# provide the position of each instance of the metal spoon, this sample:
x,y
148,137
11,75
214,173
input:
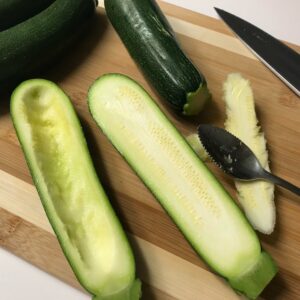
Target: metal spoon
x,y
236,158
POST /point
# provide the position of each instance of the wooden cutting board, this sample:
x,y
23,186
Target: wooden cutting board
x,y
166,263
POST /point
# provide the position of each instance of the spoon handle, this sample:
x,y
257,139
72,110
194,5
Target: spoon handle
x,y
277,180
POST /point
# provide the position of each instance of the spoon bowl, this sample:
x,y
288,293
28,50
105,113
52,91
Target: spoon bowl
x,y
236,158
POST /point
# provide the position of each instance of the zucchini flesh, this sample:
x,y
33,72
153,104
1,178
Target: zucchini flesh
x,y
73,198
256,197
197,146
13,12
188,191
151,42
32,44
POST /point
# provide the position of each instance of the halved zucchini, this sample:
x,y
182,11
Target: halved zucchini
x,y
77,207
188,191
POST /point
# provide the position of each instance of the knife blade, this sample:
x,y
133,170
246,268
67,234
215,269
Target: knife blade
x,y
278,57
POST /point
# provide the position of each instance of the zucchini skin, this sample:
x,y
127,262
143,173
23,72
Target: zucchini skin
x,y
151,42
13,12
35,42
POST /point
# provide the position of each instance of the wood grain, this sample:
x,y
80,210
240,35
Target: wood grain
x,y
28,234
168,266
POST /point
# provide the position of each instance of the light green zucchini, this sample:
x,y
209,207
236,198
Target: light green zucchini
x,y
197,146
76,205
188,191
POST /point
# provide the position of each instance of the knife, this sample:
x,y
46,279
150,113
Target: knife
x,y
279,58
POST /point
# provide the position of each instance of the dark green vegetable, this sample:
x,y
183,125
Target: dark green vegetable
x,y
151,42
77,207
31,44
13,12
199,205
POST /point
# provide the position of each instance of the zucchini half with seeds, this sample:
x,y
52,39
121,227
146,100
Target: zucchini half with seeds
x,y
196,201
151,42
76,205
256,197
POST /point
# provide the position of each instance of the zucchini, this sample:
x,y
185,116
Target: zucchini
x,y
191,195
195,143
256,197
13,12
74,200
152,44
33,43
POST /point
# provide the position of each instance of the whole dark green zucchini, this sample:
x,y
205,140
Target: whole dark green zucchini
x,y
31,44
151,42
13,12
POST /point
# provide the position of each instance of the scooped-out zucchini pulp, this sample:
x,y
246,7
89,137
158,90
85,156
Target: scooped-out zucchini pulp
x,y
76,205
188,191
256,197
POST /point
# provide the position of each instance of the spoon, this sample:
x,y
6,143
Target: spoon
x,y
236,158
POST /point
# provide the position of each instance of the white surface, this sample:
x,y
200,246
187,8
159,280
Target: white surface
x,y
278,18
20,280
